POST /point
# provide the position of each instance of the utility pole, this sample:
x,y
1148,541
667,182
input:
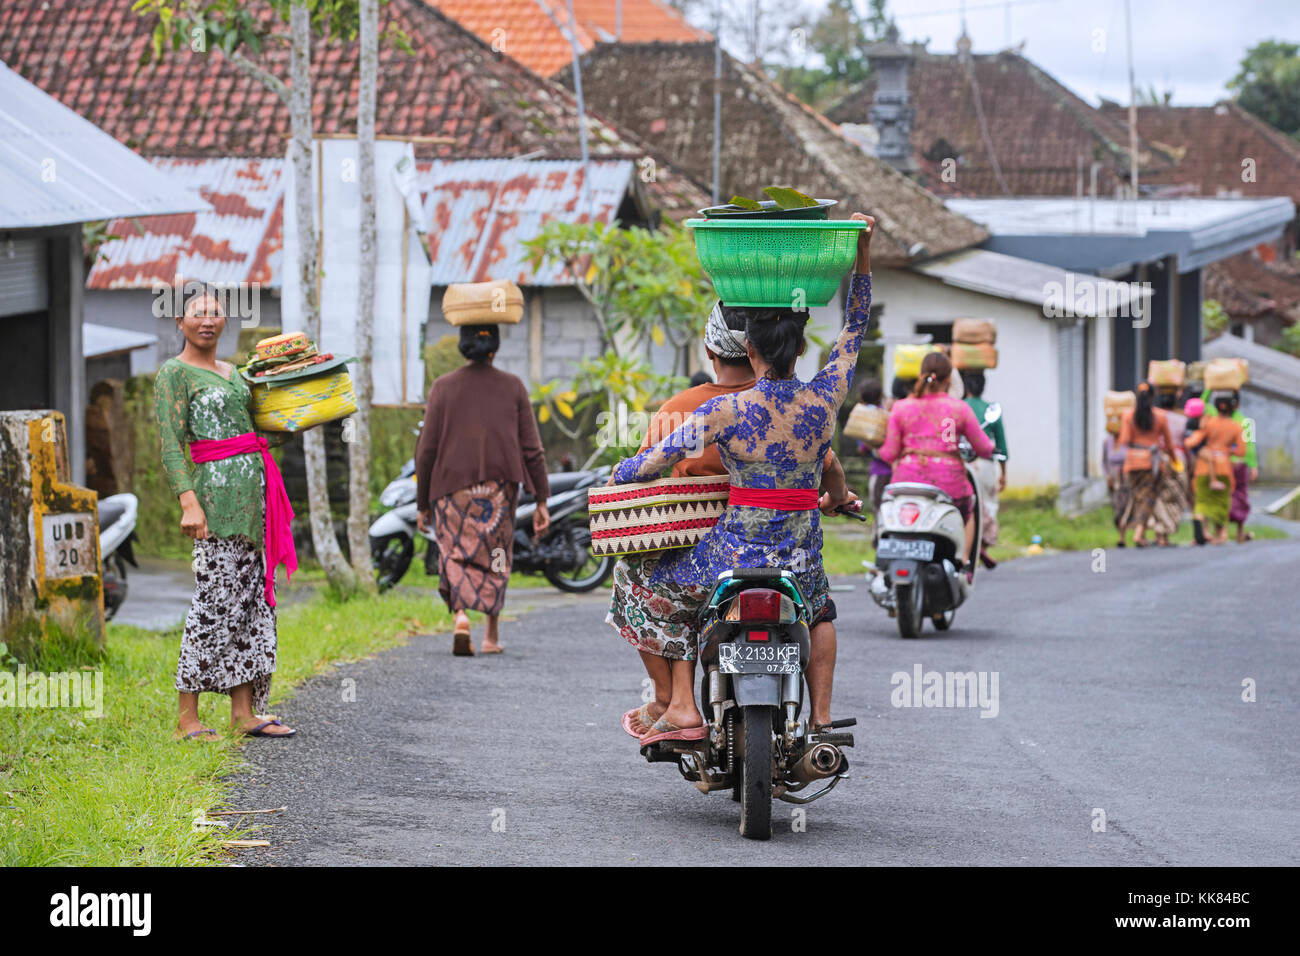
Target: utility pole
x,y
717,104
1132,103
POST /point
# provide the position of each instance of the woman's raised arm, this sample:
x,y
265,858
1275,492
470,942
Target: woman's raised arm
x,y
707,425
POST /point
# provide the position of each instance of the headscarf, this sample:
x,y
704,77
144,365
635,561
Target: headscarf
x,y
722,341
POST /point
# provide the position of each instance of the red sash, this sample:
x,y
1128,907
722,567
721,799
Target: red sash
x,y
778,499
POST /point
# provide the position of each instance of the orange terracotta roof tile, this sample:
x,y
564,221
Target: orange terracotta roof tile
x,y
535,32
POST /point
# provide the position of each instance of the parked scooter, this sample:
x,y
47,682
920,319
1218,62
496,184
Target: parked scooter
x,y
754,653
563,555
117,514
918,572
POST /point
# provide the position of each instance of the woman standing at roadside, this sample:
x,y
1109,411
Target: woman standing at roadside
x,y
1144,433
232,504
478,443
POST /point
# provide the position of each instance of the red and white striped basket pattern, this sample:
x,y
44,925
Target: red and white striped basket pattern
x,y
655,515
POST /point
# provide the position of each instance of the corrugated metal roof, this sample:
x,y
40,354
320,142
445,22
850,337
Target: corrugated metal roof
x,y
236,240
57,168
106,340
480,211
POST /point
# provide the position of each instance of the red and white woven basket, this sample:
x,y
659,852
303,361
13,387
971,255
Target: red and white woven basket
x,y
655,515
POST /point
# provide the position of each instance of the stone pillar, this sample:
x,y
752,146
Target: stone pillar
x,y
49,536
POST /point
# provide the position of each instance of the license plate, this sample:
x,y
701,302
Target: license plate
x,y
907,548
760,658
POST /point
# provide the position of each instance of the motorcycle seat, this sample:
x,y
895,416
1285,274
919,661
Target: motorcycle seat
x,y
918,488
569,480
109,512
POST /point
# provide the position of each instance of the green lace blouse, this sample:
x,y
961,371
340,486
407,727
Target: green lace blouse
x,y
193,404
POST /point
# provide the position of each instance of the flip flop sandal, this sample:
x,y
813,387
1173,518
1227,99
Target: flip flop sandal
x,y
259,732
196,733
666,730
461,646
642,714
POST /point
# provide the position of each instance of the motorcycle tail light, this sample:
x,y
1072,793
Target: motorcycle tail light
x,y
759,636
761,606
908,512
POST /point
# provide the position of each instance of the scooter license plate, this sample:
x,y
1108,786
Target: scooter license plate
x,y
906,548
758,658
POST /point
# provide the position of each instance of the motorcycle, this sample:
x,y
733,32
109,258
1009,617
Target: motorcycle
x,y
563,555
117,514
754,654
918,572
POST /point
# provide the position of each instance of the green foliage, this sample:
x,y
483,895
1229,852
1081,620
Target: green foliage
x,y
117,790
783,196
1290,342
840,36
643,285
1268,84
1213,318
594,396
744,203
229,26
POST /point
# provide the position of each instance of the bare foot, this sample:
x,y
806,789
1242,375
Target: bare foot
x,y
655,710
248,724
683,717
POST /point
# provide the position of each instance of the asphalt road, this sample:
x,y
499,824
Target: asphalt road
x,y
1119,692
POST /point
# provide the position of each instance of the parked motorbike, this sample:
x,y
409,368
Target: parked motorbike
x,y
117,514
754,653
563,555
918,572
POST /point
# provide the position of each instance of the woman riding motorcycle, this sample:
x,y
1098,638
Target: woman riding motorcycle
x,y
773,440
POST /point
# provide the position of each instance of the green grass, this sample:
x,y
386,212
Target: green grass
x,y
113,791
846,544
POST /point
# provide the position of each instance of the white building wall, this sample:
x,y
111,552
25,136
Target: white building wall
x,y
1025,381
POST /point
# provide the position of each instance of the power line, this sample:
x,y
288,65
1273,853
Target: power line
x,y
982,6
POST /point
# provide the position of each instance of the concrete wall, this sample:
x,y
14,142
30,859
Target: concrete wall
x,y
1277,433
1026,379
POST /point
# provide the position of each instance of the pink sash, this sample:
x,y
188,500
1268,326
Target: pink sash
x,y
279,513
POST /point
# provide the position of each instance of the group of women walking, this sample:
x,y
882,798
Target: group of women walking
x,y
1168,459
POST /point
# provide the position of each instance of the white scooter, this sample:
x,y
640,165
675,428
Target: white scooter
x,y
918,572
117,514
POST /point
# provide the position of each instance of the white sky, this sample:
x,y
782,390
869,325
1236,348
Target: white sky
x,y
1192,47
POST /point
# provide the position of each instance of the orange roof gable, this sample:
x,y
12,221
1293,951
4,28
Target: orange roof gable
x,y
534,32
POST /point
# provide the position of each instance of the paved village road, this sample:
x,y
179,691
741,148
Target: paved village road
x,y
1120,691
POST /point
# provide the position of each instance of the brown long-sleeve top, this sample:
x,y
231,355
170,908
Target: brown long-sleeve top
x,y
1157,436
478,426
1223,438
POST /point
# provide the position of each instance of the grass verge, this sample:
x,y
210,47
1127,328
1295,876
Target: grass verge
x,y
76,790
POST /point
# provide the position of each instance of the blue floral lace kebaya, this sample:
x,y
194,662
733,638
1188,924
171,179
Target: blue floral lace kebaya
x,y
775,435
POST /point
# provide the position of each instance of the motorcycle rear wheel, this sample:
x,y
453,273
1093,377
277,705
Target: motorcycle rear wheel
x,y
756,773
943,620
391,556
910,599
589,575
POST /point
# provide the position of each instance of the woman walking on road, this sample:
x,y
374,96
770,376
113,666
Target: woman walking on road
x,y
233,503
1144,433
1171,496
478,443
1214,443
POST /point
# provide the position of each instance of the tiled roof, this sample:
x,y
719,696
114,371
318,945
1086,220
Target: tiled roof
x,y
1248,287
663,92
482,210
1038,128
535,32
86,54
1212,142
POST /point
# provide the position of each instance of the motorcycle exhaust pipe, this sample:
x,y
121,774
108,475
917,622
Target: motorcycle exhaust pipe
x,y
823,760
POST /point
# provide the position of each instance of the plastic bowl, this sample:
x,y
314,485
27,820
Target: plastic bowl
x,y
776,263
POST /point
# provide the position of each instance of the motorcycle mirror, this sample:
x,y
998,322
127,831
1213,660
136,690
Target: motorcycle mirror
x,y
992,413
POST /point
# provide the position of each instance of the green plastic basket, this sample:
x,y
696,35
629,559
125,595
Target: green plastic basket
x,y
777,263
